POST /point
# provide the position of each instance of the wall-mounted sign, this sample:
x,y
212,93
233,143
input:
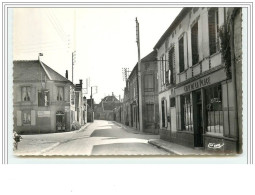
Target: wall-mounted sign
x,y
67,108
215,77
197,84
43,113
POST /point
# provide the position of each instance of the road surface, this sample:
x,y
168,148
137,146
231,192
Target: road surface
x,y
98,138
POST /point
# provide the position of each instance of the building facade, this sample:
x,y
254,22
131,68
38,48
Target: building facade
x,y
149,87
44,100
196,94
105,110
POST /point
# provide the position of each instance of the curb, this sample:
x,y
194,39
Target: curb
x,y
84,127
162,147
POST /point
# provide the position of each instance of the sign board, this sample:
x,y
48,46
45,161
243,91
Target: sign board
x,y
43,113
214,77
67,108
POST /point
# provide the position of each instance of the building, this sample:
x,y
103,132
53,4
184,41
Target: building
x,y
105,109
149,87
44,100
196,94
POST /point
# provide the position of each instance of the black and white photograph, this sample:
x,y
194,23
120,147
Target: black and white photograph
x,y
127,81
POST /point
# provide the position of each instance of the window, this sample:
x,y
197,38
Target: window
x,y
26,93
72,97
162,67
171,66
194,43
150,112
26,117
148,82
164,113
181,55
213,26
214,110
43,98
172,102
60,93
186,113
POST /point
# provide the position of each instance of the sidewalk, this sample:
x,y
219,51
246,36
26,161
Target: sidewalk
x,y
177,149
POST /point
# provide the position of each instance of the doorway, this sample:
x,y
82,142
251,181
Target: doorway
x,y
60,121
198,119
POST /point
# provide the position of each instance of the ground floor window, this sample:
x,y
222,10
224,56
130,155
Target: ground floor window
x,y
26,119
214,112
186,113
150,112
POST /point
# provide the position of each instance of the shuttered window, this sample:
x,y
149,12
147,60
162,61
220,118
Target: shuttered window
x,y
194,43
213,29
150,112
164,113
148,82
181,55
171,66
33,117
19,121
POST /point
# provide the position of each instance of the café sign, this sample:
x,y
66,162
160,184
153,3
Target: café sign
x,y
197,84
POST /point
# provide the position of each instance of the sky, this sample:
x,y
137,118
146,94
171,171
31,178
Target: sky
x,y
104,40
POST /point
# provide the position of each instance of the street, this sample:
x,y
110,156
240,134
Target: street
x,y
98,138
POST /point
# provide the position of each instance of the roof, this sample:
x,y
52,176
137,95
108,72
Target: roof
x,y
151,57
172,27
110,98
34,70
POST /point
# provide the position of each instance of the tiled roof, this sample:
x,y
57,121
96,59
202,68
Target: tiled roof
x,y
55,76
28,70
33,70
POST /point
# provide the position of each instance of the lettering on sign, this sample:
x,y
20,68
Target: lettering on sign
x,y
197,84
43,113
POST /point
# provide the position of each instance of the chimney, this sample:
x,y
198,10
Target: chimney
x,y
112,94
67,74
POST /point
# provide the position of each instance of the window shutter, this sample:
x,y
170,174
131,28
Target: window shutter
x,y
212,31
19,123
32,117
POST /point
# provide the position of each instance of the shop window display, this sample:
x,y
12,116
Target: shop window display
x,y
214,109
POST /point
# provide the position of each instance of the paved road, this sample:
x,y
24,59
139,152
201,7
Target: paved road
x,y
99,138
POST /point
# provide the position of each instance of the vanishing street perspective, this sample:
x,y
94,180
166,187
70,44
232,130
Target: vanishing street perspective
x,y
85,86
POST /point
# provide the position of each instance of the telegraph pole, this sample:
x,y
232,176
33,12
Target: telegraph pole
x,y
139,79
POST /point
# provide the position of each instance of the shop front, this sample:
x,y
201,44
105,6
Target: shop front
x,y
205,113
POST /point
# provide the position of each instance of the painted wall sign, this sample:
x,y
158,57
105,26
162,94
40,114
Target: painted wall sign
x,y
67,108
215,77
197,84
43,113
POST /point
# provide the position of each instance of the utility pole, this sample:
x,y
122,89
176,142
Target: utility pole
x,y
92,103
139,79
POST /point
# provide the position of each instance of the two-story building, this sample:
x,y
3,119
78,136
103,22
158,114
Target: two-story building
x,y
196,93
149,88
44,100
